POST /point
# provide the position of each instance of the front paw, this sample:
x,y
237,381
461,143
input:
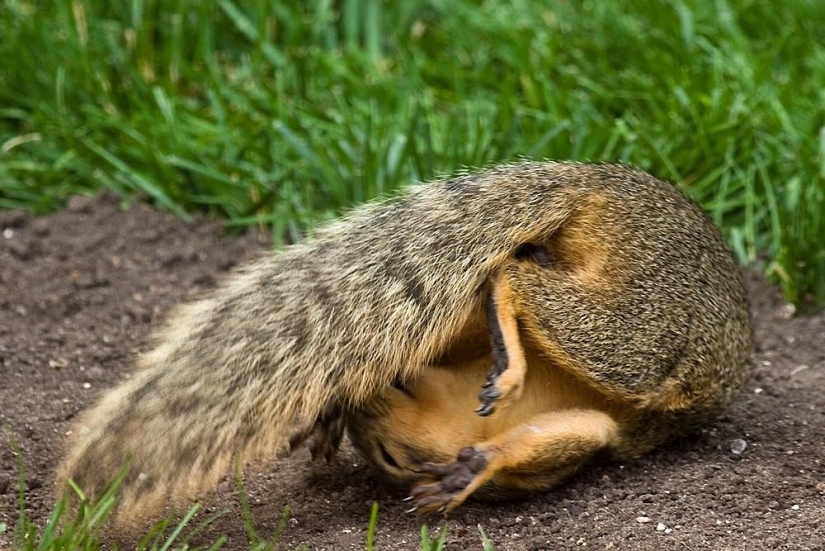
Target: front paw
x,y
454,482
500,390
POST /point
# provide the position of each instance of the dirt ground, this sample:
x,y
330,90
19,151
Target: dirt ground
x,y
81,290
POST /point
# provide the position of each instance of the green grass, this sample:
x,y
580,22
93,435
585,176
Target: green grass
x,y
286,113
76,522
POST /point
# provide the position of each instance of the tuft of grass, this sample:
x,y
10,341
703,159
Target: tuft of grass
x,y
284,114
428,544
64,532
67,531
256,542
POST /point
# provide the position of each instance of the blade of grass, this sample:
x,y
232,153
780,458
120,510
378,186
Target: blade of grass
x,y
371,528
179,528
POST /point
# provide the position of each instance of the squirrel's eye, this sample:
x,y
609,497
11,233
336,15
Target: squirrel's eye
x,y
532,252
388,459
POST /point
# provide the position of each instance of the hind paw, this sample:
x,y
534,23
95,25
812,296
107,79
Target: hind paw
x,y
454,482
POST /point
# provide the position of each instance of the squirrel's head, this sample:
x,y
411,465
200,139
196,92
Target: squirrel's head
x,y
391,432
414,422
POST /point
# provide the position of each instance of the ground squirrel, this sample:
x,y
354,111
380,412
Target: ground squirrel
x,y
488,332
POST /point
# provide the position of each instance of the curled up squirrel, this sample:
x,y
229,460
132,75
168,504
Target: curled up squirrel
x,y
487,334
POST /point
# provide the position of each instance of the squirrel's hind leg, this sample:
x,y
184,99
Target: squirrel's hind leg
x,y
505,379
531,456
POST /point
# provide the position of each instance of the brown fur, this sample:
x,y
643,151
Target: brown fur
x,y
631,320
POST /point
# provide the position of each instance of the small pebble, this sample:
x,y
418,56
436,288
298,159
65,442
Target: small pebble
x,y
661,527
787,311
738,446
642,520
58,363
87,386
8,233
795,507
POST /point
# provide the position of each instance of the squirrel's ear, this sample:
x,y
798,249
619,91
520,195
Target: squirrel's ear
x,y
537,253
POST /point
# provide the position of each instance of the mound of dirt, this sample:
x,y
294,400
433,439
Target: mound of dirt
x,y
81,290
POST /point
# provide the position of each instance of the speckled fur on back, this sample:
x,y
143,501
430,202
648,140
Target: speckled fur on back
x,y
381,292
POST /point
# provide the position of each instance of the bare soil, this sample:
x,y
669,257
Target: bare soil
x,y
81,290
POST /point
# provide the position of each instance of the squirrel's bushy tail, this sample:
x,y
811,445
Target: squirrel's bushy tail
x,y
369,298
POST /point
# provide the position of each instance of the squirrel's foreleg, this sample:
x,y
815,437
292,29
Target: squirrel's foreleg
x,y
505,379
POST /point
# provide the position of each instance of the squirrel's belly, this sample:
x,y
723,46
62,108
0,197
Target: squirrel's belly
x,y
432,418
